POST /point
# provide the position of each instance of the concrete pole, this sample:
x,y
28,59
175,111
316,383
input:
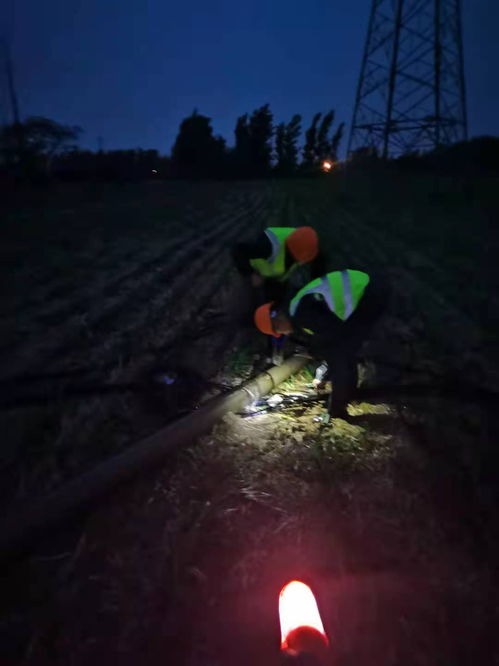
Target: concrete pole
x,y
20,531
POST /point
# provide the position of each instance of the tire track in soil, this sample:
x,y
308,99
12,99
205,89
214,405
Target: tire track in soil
x,y
60,310
83,300
52,297
376,241
48,285
432,269
419,300
165,329
158,311
28,356
153,320
125,252
200,296
51,287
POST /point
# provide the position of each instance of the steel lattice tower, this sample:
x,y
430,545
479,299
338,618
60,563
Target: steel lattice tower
x,y
411,93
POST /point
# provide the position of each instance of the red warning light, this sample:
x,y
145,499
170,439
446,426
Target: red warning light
x,y
301,625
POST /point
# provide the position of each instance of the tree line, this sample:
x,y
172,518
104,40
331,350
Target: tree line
x,y
261,148
40,147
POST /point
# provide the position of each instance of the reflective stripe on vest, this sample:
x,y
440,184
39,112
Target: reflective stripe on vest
x,y
275,265
341,291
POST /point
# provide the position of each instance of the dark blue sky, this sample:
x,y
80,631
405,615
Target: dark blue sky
x,y
130,70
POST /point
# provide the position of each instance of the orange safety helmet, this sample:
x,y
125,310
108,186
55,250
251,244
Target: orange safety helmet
x,y
303,244
263,320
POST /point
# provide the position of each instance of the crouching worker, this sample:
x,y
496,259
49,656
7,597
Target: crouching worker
x,y
273,257
332,316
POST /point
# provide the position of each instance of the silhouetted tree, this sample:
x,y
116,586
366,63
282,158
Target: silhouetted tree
x,y
196,151
260,137
119,165
280,134
335,141
293,131
32,144
323,144
240,154
286,145
43,136
319,145
310,148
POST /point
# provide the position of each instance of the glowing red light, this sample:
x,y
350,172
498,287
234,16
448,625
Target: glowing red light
x,y
298,611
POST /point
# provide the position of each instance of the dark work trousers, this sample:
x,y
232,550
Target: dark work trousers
x,y
346,340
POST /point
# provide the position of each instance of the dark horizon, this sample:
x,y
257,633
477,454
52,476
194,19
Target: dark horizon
x,y
130,74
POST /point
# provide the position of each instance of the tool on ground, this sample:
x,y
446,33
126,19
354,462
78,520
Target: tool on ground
x,y
304,641
280,401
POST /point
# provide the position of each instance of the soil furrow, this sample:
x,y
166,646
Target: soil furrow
x,y
129,324
84,325
49,286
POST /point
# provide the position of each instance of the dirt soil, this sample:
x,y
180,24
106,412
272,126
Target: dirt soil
x,y
185,566
390,518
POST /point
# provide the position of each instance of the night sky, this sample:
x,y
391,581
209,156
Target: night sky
x,y
130,70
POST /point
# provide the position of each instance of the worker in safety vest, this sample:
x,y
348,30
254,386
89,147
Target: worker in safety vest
x,y
332,316
274,256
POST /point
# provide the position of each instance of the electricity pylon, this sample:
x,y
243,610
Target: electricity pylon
x,y
411,92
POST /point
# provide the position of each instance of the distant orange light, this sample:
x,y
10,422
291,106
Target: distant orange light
x,y
327,165
300,618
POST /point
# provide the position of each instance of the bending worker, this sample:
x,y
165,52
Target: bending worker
x,y
332,316
275,255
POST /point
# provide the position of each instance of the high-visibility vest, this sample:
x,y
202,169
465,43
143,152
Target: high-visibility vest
x,y
342,291
275,266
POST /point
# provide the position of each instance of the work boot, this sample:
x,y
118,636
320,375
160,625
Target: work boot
x,y
339,414
337,408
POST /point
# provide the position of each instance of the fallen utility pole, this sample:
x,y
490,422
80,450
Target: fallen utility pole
x,y
23,527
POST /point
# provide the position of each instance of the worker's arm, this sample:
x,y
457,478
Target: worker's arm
x,y
314,315
242,253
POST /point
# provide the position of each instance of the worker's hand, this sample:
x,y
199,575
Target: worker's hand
x,y
256,280
319,384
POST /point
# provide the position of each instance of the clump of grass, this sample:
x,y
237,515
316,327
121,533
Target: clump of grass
x,y
297,382
344,450
361,408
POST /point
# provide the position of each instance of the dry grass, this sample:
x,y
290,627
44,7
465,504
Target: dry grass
x,y
207,545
